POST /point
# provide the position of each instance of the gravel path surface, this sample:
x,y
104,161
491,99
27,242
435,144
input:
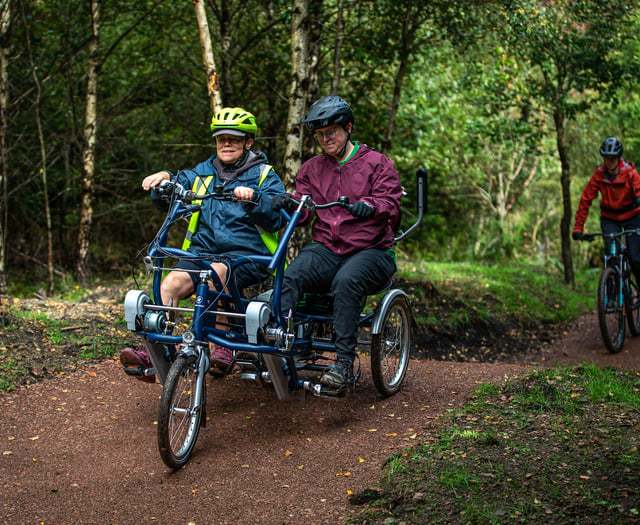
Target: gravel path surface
x,y
82,448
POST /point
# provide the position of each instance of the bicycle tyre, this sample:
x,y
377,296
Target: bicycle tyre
x,y
632,305
390,348
610,311
178,419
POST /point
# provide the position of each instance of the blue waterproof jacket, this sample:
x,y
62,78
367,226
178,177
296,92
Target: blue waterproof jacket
x,y
229,228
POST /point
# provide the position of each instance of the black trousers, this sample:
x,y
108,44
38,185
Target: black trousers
x,y
633,241
350,279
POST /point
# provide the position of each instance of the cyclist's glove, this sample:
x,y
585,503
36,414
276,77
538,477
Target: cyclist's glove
x,y
577,236
281,201
361,209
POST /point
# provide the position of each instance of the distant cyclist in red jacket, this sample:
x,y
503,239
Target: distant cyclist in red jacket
x,y
618,183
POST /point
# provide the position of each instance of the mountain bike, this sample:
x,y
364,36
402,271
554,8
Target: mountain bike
x,y
618,292
288,354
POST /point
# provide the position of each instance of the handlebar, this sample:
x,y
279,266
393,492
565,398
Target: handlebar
x,y
168,189
342,202
588,237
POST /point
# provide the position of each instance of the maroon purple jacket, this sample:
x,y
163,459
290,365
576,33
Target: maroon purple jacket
x,y
369,176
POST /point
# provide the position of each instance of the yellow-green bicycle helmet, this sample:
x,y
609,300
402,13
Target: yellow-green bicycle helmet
x,y
233,121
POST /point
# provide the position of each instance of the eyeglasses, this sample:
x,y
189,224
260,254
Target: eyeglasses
x,y
326,135
230,139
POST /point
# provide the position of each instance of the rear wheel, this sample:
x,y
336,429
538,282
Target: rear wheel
x,y
390,348
610,311
633,307
178,415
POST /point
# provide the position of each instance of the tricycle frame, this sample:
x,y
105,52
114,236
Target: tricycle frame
x,y
269,348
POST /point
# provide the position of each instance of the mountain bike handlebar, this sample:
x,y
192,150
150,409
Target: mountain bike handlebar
x,y
588,237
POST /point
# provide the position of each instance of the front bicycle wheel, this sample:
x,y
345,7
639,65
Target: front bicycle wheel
x,y
632,306
390,348
180,413
610,310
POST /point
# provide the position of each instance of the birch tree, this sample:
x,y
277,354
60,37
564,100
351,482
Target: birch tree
x,y
89,151
337,49
213,86
43,153
297,90
5,23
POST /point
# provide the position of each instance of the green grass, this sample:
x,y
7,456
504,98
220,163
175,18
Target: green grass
x,y
529,292
555,446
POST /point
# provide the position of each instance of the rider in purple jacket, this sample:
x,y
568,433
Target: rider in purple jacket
x,y
352,251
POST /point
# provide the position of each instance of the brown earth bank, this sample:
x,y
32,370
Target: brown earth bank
x,y
80,447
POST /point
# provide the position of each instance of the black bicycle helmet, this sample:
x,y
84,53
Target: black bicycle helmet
x,y
611,147
328,111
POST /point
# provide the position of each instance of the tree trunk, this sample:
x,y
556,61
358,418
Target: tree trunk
x,y
337,49
297,90
565,182
213,86
408,37
313,61
89,153
43,152
5,23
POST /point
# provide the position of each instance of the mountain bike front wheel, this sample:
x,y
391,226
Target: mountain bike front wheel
x,y
180,413
632,306
610,310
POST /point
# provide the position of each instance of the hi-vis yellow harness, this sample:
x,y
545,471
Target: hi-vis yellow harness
x,y
200,188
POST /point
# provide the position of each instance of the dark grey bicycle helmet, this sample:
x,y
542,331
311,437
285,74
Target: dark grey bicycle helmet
x,y
328,111
611,147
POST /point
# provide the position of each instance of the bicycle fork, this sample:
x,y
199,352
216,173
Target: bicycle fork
x,y
201,353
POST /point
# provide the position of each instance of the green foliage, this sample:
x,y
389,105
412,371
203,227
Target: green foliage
x,y
470,111
553,446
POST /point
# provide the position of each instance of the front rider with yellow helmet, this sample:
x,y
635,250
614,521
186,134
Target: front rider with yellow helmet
x,y
223,228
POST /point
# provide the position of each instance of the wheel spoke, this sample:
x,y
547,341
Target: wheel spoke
x,y
390,348
179,414
611,313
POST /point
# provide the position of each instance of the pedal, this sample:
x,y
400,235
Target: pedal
x,y
138,371
217,371
254,377
334,393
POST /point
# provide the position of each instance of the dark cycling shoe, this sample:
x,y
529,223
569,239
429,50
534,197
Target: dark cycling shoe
x,y
338,375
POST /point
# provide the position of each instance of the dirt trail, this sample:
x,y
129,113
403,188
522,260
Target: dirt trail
x,y
82,448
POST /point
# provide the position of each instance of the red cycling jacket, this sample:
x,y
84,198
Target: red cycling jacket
x,y
617,196
369,176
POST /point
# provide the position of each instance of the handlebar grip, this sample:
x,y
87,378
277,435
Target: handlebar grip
x,y
422,187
